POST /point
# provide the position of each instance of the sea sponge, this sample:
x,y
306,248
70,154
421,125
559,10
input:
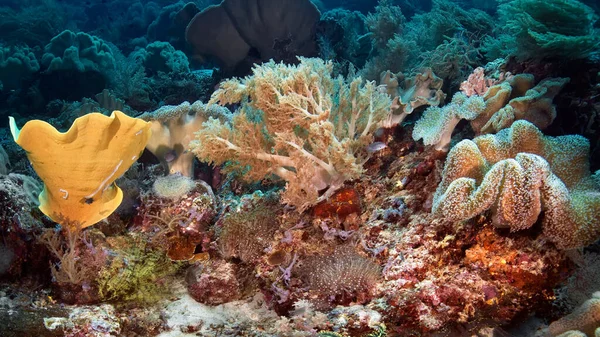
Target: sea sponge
x,y
79,167
519,174
237,26
173,128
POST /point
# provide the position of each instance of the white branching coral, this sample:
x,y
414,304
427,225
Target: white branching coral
x,y
298,123
519,174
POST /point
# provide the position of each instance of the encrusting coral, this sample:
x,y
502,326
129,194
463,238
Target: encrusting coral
x,y
79,167
298,123
518,174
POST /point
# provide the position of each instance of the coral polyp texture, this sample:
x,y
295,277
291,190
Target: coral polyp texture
x,y
518,175
296,122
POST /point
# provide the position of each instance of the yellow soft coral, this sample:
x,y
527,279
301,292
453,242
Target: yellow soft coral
x,y
518,174
78,167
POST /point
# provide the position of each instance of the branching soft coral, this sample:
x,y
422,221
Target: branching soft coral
x,y
518,174
551,28
297,123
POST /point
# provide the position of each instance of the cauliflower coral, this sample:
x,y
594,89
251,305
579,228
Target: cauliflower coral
x,y
519,174
298,123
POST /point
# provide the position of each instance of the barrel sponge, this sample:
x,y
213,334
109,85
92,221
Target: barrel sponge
x,y
518,174
79,167
230,30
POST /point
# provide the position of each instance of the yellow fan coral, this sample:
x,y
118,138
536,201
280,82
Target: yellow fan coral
x,y
518,174
78,167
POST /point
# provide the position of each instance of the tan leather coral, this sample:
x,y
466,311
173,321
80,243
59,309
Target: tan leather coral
x,y
79,167
521,177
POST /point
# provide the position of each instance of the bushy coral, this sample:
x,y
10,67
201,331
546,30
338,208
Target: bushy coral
x,y
554,28
137,272
519,174
386,22
298,123
342,35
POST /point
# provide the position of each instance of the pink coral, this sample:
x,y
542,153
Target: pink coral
x,y
477,83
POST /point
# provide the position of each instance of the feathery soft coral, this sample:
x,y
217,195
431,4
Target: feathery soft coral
x,y
298,123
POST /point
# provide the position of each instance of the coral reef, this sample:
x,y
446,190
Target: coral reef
x,y
301,198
